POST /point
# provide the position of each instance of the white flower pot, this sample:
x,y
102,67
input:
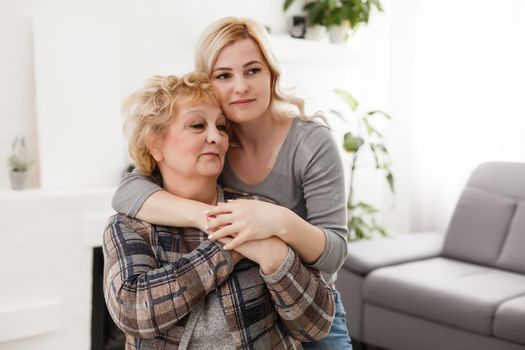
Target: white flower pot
x,y
316,33
339,34
18,179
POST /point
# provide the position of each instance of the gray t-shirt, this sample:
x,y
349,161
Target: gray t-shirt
x,y
307,178
207,324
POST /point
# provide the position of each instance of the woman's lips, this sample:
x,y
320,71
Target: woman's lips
x,y
243,102
211,154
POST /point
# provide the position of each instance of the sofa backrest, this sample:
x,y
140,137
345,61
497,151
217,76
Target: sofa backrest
x,y
488,225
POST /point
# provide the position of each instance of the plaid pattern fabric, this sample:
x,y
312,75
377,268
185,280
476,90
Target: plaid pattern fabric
x,y
154,276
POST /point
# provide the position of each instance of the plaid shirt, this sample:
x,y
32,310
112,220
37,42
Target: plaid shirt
x,y
155,275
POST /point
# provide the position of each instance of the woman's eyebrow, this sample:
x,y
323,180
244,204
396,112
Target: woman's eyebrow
x,y
251,62
192,111
230,69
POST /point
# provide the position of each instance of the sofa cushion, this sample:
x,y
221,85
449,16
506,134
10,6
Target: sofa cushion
x,y
478,227
451,292
512,256
506,179
509,322
367,255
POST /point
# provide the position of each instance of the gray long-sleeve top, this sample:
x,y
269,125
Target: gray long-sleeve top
x,y
307,178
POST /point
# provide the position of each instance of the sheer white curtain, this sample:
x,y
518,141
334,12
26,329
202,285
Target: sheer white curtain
x,y
465,101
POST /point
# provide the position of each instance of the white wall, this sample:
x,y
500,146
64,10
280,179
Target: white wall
x,y
460,83
155,37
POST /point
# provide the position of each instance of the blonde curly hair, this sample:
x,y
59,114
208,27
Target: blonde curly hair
x,y
151,109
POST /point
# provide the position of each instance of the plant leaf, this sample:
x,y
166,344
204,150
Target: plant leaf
x,y
352,143
339,114
377,4
370,129
381,113
366,207
287,4
382,231
390,179
374,153
348,98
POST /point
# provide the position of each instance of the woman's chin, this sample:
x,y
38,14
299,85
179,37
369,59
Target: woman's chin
x,y
211,172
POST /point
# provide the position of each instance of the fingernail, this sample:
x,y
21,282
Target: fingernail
x,y
210,236
206,211
226,247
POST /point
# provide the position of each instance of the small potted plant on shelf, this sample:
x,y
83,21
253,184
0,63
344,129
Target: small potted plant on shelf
x,y
18,163
362,218
339,17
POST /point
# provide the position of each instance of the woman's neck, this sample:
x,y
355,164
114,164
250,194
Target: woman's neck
x,y
253,136
203,189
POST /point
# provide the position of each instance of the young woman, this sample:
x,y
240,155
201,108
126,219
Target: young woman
x,y
278,153
171,287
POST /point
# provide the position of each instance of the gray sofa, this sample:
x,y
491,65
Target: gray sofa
x,y
461,290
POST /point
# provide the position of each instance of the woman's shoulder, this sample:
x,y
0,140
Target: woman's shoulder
x,y
305,130
311,135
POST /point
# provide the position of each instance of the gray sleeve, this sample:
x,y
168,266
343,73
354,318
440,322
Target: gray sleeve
x,y
133,191
324,193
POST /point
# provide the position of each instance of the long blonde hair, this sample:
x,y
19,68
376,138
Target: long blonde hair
x,y
227,30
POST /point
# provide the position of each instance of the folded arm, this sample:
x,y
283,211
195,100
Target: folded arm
x,y
301,297
146,299
303,300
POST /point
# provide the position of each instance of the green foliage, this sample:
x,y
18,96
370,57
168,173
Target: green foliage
x,y
337,12
363,216
18,160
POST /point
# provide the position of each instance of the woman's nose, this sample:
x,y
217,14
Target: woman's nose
x,y
213,136
241,85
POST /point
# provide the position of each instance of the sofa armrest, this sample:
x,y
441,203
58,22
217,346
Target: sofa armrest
x,y
367,255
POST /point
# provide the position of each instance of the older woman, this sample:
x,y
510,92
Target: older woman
x,y
172,287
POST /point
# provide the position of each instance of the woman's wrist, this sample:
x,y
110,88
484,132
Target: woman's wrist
x,y
199,218
307,240
285,219
272,263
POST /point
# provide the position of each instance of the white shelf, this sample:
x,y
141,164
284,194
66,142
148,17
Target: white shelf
x,y
30,319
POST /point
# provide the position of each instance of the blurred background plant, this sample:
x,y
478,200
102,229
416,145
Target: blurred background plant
x,y
362,216
18,161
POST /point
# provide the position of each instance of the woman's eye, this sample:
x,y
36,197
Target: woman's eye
x,y
197,126
253,71
222,127
223,76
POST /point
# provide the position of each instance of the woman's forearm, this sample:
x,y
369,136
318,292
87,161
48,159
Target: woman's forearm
x,y
305,239
163,208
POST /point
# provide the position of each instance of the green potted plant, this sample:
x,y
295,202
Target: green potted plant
x,y
317,13
362,222
340,17
18,163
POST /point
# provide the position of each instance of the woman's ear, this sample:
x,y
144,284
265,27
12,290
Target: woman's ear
x,y
155,149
